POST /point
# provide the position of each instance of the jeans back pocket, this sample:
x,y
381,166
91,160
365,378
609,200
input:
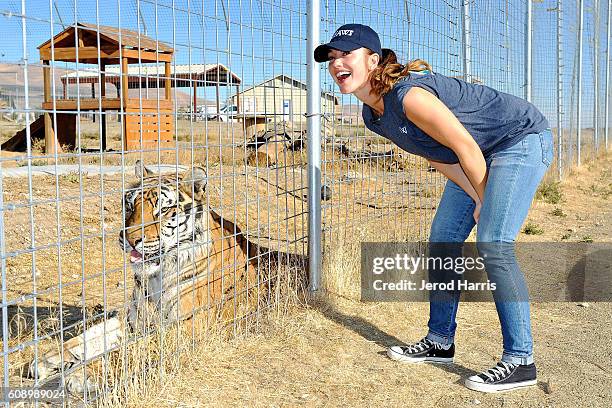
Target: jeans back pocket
x,y
546,141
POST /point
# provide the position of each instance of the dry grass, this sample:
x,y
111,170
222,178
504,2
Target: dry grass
x,y
291,352
144,362
213,143
209,143
333,355
331,351
144,367
268,204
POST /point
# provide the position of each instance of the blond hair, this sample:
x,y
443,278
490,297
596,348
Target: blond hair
x,y
389,71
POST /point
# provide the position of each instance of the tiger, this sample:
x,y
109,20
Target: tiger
x,y
184,257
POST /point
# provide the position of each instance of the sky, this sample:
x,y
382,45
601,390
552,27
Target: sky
x,y
259,39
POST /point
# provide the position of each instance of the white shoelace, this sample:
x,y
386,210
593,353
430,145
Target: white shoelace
x,y
421,345
500,371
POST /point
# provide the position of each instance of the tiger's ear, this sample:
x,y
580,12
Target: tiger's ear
x,y
141,170
197,177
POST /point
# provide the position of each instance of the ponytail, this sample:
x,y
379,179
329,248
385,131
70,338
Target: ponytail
x,y
389,71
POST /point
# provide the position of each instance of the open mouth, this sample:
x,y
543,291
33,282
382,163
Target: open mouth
x,y
342,76
135,256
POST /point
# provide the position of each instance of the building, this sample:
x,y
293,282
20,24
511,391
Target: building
x,y
283,96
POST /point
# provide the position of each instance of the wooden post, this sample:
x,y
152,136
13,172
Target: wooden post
x,y
80,35
103,96
124,80
124,93
168,84
118,85
217,91
195,98
93,96
238,98
50,144
103,80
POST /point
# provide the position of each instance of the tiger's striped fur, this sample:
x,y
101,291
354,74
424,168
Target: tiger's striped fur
x,y
184,257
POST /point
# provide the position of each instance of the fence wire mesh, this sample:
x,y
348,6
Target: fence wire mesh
x,y
153,160
179,134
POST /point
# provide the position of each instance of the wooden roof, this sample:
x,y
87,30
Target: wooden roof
x,y
135,46
182,75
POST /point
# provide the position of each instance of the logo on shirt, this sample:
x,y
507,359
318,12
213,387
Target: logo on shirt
x,y
404,129
343,32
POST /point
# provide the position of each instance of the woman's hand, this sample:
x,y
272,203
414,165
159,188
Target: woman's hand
x,y
477,210
455,173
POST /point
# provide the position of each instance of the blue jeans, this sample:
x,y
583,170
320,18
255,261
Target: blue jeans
x,y
513,178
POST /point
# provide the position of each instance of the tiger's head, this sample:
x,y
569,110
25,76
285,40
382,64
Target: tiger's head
x,y
163,217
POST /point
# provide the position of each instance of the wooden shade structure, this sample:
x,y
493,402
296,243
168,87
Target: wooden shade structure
x,y
148,122
149,77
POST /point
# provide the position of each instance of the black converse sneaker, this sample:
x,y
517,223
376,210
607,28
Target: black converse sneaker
x,y
424,350
503,377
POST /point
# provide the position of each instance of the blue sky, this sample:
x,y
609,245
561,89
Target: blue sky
x,y
259,39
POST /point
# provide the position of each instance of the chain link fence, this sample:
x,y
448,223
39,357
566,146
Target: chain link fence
x,y
157,156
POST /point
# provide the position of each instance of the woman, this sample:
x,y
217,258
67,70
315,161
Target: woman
x,y
493,147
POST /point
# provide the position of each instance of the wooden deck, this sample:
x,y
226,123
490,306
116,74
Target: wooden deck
x,y
88,104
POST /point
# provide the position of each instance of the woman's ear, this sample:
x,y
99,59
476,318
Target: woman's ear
x,y
374,60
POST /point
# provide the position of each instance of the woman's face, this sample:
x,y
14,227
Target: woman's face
x,y
351,69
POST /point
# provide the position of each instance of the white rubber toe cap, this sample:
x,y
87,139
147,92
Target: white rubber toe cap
x,y
476,379
396,349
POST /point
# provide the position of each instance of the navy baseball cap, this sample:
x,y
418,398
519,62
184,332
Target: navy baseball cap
x,y
349,37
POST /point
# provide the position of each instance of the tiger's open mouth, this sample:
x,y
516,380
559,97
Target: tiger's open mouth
x,y
138,258
141,256
135,256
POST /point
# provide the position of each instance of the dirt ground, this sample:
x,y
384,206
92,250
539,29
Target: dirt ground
x,y
331,352
66,269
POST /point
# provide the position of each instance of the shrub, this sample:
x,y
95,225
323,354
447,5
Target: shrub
x,y
557,212
550,192
532,229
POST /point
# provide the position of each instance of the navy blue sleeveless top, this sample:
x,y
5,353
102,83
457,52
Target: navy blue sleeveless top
x,y
496,120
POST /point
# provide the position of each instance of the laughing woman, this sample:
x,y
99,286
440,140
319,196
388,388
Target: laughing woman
x,y
493,147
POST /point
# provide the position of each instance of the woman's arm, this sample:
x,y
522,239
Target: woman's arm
x,y
433,117
455,173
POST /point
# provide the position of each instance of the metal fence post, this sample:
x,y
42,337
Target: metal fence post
x,y
314,146
595,76
579,108
559,94
466,40
408,22
5,326
607,94
528,39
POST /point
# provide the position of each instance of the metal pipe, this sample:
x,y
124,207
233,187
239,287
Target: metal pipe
x,y
467,45
3,274
407,26
559,93
26,108
579,108
595,75
528,41
314,146
607,102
